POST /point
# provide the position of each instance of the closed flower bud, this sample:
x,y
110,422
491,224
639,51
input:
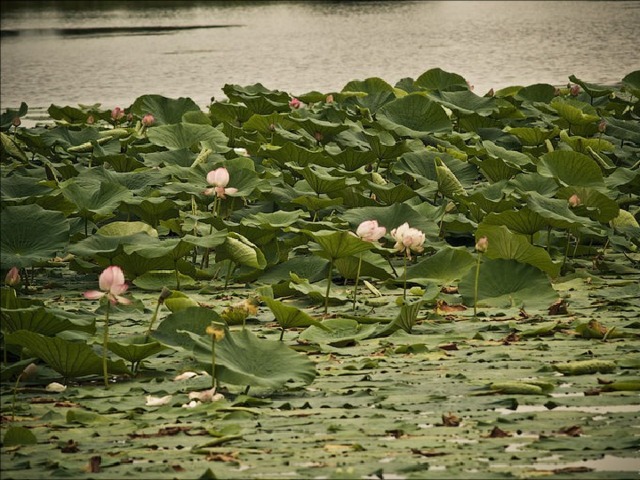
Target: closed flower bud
x,y
117,114
13,277
295,103
574,201
148,120
482,244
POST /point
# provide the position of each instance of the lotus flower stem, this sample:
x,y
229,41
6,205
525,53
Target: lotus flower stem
x,y
475,288
326,297
105,342
355,287
230,270
213,361
404,294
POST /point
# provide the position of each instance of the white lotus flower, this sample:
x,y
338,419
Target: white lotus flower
x,y
55,387
158,401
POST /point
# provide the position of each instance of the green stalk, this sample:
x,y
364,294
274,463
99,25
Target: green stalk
x,y
475,290
153,319
404,295
355,288
213,361
15,398
326,297
104,346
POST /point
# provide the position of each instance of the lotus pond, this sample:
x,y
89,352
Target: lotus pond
x,y
389,281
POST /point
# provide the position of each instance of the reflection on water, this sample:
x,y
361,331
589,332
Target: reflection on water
x,y
302,46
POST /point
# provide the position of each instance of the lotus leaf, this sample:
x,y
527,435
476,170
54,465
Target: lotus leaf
x,y
343,332
30,234
440,80
413,116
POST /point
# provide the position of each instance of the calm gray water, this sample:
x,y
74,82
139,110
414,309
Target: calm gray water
x,y
303,46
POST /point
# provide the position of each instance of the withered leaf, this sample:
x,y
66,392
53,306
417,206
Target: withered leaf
x,y
497,432
427,453
572,431
451,420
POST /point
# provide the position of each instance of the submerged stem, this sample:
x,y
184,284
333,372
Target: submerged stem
x,y
404,295
326,296
355,287
105,342
475,290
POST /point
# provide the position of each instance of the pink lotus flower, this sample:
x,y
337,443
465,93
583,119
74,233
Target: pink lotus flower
x,y
575,90
370,231
574,201
148,120
482,245
295,103
219,178
112,284
117,114
329,99
408,239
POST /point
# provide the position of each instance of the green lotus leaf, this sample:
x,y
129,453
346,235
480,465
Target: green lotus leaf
x,y
10,114
153,209
524,221
182,157
211,241
121,162
532,136
321,129
373,265
135,265
18,436
18,189
343,332
571,168
67,138
153,247
315,204
267,124
338,244
298,155
405,320
438,79
179,301
592,89
393,216
322,182
539,92
137,348
274,220
188,136
534,182
507,245
352,159
508,284
594,204
495,169
631,82
574,112
378,92
9,299
172,329
34,319
465,102
389,194
102,199
241,251
446,266
11,148
164,110
30,234
155,280
422,166
316,292
289,316
384,145
512,158
414,116
623,129
448,184
69,359
583,145
232,113
244,359
312,268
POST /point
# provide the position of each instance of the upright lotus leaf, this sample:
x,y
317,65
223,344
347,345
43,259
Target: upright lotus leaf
x,y
626,130
446,266
571,168
393,216
384,145
390,193
421,165
524,220
232,113
17,189
508,245
312,268
11,149
593,204
534,182
508,284
585,145
465,102
244,359
321,130
539,92
182,157
322,181
371,265
267,124
69,359
10,114
405,320
241,251
91,200
156,280
297,154
273,220
16,436
352,159
153,247
631,83
67,137
413,116
188,135
289,316
172,329
532,136
338,244
575,112
316,292
165,110
448,185
34,319
30,234
440,80
136,348
592,89
378,92
343,332
153,209
514,159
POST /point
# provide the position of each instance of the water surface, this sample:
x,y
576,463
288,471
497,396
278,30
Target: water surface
x,y
70,53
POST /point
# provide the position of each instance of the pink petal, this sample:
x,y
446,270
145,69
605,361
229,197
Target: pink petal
x,y
93,294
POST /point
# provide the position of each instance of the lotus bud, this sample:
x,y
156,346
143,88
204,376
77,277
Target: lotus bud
x,y
318,136
602,126
295,103
490,93
117,114
469,85
16,122
13,277
482,244
148,120
272,127
575,90
329,99
91,120
378,179
241,152
129,117
164,294
29,370
574,201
